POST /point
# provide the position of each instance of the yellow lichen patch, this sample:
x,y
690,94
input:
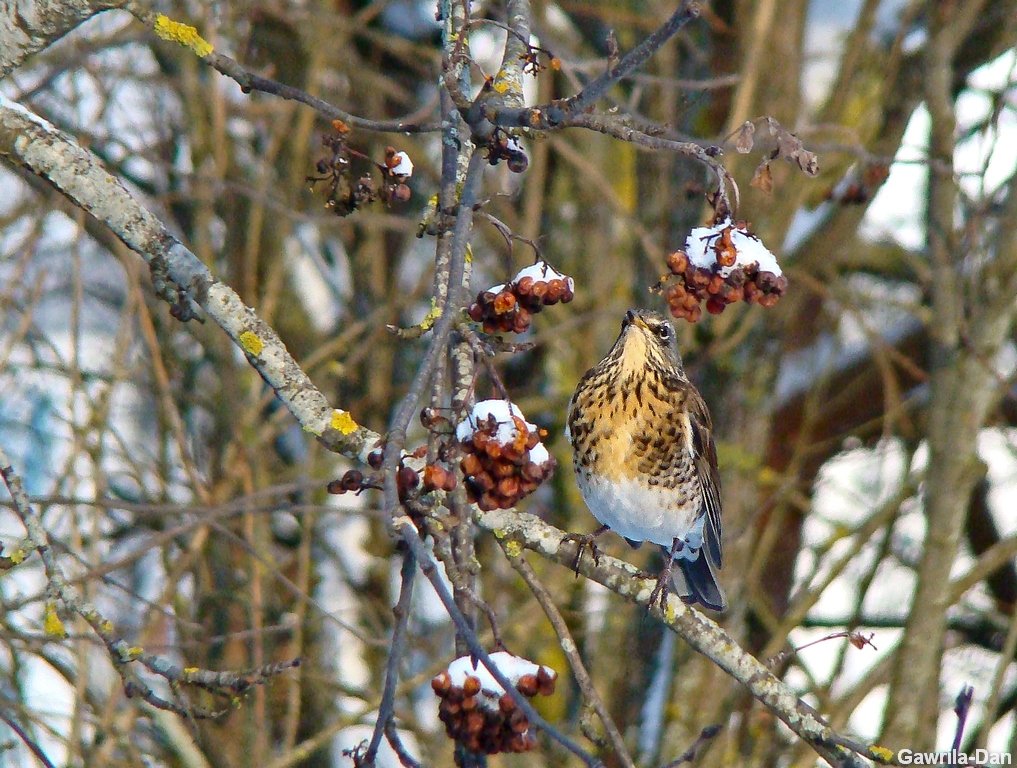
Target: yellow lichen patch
x,y
513,548
184,34
51,622
134,652
881,753
342,422
190,670
18,556
251,342
431,317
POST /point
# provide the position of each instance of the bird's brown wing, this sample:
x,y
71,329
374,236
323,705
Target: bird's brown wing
x,y
575,428
706,470
572,413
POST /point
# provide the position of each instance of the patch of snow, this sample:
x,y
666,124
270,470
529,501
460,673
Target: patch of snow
x,y
897,212
502,411
699,247
542,271
539,454
402,166
513,667
14,106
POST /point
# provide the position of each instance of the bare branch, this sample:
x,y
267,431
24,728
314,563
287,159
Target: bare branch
x,y
408,533
27,28
518,529
561,113
249,81
179,276
396,651
568,646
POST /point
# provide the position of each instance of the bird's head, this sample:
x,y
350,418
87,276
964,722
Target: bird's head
x,y
647,341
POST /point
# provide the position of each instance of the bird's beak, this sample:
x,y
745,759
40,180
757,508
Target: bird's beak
x,y
633,318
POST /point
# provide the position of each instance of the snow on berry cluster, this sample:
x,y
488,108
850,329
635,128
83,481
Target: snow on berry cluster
x,y
510,307
503,458
476,709
722,264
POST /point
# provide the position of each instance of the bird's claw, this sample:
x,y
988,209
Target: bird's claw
x,y
659,594
583,542
660,591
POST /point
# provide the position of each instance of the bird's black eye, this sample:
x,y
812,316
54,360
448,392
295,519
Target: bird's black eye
x,y
664,332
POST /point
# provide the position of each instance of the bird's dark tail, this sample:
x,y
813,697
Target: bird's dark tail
x,y
695,582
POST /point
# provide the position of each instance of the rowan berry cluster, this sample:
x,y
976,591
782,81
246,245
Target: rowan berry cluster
x,y
345,191
720,265
479,713
510,307
503,458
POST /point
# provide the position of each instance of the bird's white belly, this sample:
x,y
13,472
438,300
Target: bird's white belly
x,y
639,511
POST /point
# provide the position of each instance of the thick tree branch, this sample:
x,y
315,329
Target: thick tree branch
x,y
962,391
515,529
27,28
29,141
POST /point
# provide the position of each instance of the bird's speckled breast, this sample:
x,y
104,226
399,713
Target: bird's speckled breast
x,y
634,458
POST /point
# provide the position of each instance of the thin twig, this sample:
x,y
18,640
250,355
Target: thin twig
x,y
561,113
689,754
249,81
408,533
122,654
571,650
962,707
29,742
401,611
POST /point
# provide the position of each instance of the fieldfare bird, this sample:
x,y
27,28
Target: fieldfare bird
x,y
644,455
